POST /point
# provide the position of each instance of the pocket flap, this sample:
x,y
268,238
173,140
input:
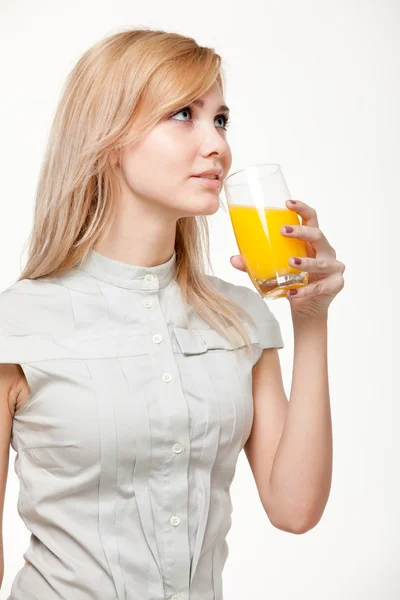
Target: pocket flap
x,y
198,341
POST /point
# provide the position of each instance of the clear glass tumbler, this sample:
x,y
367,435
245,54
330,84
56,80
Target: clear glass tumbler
x,y
256,198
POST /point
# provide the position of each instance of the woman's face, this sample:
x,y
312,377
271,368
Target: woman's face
x,y
158,172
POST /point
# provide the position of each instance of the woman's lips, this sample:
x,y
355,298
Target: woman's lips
x,y
210,183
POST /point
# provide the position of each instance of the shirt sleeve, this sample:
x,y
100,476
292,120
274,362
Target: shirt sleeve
x,y
32,312
11,326
267,325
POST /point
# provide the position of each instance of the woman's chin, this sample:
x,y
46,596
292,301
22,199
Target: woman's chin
x,y
205,207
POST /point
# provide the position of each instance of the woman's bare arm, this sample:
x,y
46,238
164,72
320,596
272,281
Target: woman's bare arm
x,y
9,377
290,445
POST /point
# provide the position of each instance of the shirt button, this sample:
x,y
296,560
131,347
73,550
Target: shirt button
x,y
166,377
157,338
175,521
149,278
177,448
147,304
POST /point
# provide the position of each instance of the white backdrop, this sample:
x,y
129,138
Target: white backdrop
x,y
313,86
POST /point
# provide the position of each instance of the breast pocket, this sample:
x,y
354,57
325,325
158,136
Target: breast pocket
x,y
198,341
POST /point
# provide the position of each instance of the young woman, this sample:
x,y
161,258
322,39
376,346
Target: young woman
x,y
130,379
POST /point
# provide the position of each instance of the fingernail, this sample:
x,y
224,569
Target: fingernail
x,y
292,292
292,201
289,229
297,261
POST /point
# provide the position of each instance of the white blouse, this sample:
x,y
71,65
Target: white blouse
x,y
127,446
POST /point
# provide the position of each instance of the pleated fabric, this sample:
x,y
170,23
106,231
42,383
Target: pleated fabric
x,y
127,445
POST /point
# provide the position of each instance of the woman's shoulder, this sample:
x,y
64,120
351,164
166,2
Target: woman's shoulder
x,y
30,306
248,298
267,325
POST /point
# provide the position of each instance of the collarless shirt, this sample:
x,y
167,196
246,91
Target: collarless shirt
x,y
127,445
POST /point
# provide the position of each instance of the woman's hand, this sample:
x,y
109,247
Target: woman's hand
x,y
325,273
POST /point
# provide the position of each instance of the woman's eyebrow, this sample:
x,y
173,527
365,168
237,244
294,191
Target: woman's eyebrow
x,y
200,103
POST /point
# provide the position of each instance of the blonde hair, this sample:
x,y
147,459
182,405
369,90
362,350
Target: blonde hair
x,y
135,76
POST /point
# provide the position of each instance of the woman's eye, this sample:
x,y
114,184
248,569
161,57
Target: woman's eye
x,y
189,112
184,110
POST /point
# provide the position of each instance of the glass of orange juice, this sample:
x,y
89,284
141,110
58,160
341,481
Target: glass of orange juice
x,y
256,198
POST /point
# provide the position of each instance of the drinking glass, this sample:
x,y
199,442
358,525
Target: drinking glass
x,y
256,198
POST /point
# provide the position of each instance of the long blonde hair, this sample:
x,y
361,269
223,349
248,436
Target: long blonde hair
x,y
134,76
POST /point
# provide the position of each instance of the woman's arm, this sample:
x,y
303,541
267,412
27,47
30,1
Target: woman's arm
x,y
302,471
290,445
8,380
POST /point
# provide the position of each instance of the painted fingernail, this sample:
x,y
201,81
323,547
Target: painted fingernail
x,y
292,201
289,229
292,292
297,261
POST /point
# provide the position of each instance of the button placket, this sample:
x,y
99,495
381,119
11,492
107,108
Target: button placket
x,y
178,525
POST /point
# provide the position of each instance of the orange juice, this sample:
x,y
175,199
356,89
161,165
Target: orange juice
x,y
265,251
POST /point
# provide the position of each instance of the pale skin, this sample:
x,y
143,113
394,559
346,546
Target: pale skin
x,y
290,445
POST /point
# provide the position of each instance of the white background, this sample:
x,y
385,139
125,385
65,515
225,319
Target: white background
x,y
313,86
